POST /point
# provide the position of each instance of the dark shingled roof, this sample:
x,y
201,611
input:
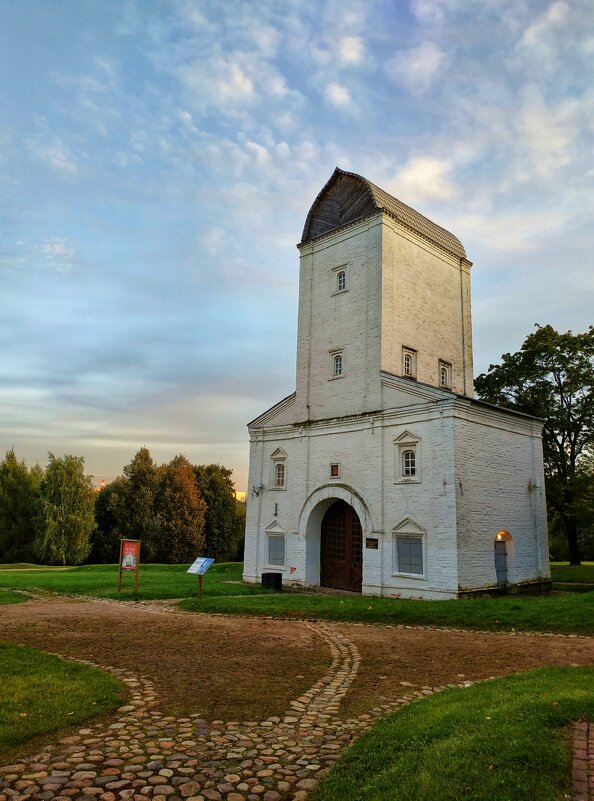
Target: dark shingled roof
x,y
348,197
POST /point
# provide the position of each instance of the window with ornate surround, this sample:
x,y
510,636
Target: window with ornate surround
x,y
275,555
407,459
408,555
278,470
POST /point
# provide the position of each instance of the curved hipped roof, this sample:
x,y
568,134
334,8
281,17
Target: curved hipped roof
x,y
348,197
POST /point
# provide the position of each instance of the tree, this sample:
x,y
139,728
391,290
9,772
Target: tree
x,y
19,492
105,542
180,513
224,524
65,516
132,503
552,377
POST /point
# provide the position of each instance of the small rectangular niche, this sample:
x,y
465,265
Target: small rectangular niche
x,y
335,470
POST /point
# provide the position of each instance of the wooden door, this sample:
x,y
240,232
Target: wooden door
x,y
341,548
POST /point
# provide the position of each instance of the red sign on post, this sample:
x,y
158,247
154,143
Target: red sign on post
x,y
130,554
129,560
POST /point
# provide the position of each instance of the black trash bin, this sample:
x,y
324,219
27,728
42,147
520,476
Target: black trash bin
x,y
272,581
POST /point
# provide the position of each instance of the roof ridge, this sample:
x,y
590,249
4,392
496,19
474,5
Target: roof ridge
x,y
381,200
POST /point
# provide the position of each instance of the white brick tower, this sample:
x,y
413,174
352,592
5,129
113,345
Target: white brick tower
x,y
381,473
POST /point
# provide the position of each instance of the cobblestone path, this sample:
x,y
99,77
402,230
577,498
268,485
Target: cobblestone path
x,y
144,755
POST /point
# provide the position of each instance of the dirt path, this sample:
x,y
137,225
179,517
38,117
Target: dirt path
x,y
244,669
235,709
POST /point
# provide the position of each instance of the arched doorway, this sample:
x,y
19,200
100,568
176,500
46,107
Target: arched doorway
x,y
341,548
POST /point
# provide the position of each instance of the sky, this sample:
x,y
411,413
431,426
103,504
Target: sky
x,y
158,160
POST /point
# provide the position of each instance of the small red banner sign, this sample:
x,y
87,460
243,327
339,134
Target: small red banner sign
x,y
130,554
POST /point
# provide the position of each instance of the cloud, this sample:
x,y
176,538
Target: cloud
x,y
55,155
428,11
351,50
57,254
213,240
520,231
545,134
337,95
422,178
553,18
417,68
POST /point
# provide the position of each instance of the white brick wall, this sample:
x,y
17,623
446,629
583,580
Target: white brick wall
x,y
481,469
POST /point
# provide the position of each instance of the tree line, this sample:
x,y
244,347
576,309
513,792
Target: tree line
x,y
179,511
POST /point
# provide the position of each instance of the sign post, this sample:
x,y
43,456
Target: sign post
x,y
129,560
199,568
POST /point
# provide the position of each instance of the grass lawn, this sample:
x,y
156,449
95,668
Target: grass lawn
x,y
502,740
565,613
11,597
155,581
40,693
224,592
584,573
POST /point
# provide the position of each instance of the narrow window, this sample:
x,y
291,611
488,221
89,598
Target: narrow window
x,y
279,474
341,281
409,555
278,470
337,365
409,362
409,463
334,471
445,375
276,549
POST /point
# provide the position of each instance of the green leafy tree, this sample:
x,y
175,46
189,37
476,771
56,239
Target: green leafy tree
x,y
180,513
132,503
552,377
224,524
19,493
65,516
105,543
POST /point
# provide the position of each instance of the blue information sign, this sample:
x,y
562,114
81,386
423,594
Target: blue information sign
x,y
201,565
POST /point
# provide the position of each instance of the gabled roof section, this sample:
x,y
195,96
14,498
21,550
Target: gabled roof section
x,y
348,197
274,411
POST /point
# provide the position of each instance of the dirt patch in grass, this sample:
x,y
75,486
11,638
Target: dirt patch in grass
x,y
391,656
219,667
236,668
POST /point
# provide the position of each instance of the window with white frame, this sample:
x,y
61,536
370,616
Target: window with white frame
x,y
275,545
340,279
409,548
407,458
278,470
276,549
409,362
409,554
336,364
409,462
279,475
445,374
